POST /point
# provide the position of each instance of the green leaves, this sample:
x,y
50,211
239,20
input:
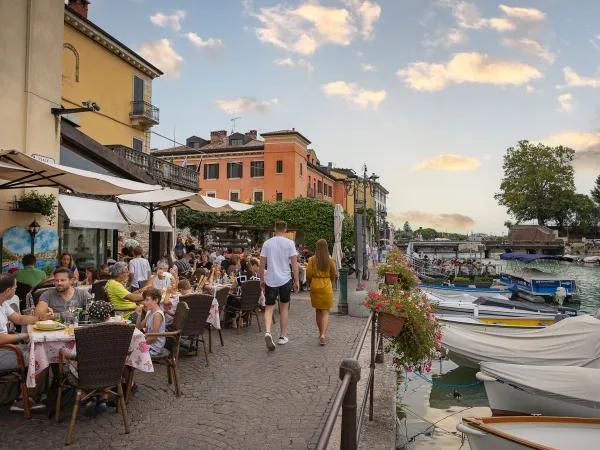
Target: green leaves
x,y
596,191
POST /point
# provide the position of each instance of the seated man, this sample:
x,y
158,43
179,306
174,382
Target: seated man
x,y
29,274
8,358
183,263
120,297
63,295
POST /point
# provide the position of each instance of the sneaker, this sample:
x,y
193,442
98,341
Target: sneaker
x,y
282,340
17,406
91,409
269,341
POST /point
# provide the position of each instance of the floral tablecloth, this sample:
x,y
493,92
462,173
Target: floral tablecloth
x,y
44,348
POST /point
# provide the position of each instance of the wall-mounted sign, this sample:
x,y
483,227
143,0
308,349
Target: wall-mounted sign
x,y
44,159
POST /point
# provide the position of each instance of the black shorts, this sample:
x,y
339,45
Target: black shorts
x,y
284,292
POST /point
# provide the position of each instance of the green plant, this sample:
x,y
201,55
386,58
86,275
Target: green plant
x,y
482,279
461,279
396,263
42,203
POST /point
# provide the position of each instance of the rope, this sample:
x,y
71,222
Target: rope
x,y
449,386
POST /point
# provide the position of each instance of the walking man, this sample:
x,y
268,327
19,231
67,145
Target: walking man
x,y
279,258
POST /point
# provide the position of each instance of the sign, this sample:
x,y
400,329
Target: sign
x,y
359,203
44,159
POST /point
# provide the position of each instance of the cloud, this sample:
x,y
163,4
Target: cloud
x,y
242,104
367,68
447,163
524,14
531,47
368,13
466,68
162,20
354,94
572,79
211,45
360,54
586,145
451,37
566,103
445,222
162,55
299,63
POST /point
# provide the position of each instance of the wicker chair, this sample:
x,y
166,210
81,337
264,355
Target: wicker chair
x,y
195,325
248,301
221,297
22,290
170,353
18,375
98,290
101,354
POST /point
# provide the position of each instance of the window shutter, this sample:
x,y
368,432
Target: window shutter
x,y
206,166
241,167
217,171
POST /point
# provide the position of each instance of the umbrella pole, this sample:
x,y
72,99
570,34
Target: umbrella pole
x,y
151,210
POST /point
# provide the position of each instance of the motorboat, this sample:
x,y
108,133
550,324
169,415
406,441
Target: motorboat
x,y
515,389
574,341
538,278
440,289
489,324
531,432
591,260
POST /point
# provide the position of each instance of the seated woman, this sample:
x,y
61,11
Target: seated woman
x,y
215,277
154,320
162,280
91,275
236,289
234,265
170,303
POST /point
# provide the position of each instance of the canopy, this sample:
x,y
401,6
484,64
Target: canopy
x,y
167,198
579,385
137,215
571,342
87,213
31,172
338,222
524,258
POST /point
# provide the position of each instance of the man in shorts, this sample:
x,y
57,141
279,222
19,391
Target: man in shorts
x,y
277,255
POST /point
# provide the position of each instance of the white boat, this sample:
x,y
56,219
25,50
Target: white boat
x,y
514,389
527,433
571,342
488,324
439,289
591,259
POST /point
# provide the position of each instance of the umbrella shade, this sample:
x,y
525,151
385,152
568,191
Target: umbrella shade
x,y
20,170
167,198
338,221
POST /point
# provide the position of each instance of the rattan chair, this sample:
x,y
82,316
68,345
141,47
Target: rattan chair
x,y
22,290
221,297
170,353
102,350
194,328
18,375
248,301
98,290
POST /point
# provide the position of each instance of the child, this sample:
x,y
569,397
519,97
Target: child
x,y
154,320
170,305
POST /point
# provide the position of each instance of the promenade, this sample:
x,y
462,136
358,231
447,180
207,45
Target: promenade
x,y
246,398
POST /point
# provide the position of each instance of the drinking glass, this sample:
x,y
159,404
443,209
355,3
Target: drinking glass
x,y
119,317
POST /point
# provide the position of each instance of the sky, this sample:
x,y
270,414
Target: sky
x,y
429,94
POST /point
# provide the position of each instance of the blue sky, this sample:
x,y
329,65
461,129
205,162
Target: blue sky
x,y
429,94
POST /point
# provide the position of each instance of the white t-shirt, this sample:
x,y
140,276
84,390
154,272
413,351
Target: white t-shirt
x,y
5,312
165,283
278,250
139,267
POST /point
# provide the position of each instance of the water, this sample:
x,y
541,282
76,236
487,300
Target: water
x,y
420,404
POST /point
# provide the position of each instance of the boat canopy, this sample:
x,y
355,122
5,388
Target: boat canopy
x,y
525,258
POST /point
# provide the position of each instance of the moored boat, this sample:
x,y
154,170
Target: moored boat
x,y
476,292
491,324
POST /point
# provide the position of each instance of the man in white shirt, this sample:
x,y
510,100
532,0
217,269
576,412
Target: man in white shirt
x,y
277,255
139,269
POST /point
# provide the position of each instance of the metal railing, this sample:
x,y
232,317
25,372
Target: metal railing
x,y
346,397
140,108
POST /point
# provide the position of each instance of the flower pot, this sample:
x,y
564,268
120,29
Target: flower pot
x,y
391,325
461,283
27,207
483,284
391,278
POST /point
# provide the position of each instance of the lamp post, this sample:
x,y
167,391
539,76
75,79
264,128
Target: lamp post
x,y
34,229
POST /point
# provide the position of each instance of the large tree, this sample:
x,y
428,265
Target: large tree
x,y
406,228
596,191
583,214
538,181
197,221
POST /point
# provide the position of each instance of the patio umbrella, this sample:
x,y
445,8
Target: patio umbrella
x,y
338,221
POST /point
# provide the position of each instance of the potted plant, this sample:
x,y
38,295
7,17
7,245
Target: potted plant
x,y
396,270
391,319
34,202
483,282
461,282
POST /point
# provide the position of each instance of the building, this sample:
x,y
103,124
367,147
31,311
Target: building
x,y
531,233
476,237
100,68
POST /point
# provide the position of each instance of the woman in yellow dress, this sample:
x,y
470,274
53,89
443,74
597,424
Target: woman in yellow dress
x,y
320,274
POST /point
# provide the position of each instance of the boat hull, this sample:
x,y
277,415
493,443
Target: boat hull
x,y
536,284
476,292
493,325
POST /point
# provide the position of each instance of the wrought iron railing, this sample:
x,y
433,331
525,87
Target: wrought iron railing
x,y
140,108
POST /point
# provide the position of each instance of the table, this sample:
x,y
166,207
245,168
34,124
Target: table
x,y
45,346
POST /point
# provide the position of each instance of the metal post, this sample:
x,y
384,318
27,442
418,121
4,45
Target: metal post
x,y
364,229
343,298
151,211
348,440
372,365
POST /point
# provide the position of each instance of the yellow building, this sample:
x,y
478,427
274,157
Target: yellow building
x,y
98,67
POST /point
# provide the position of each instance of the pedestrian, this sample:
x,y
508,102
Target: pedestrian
x,y
132,241
321,274
375,255
276,256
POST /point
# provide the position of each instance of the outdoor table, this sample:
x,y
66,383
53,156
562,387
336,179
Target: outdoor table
x,y
45,347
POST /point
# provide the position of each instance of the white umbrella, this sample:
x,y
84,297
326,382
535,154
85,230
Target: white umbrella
x,y
338,222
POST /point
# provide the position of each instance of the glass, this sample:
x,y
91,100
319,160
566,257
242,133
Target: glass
x,y
118,317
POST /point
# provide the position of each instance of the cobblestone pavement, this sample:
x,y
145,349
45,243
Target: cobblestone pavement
x,y
247,398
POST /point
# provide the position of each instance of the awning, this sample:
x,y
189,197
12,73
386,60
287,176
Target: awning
x,y
31,172
138,216
87,213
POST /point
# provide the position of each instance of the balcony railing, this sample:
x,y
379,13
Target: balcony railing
x,y
164,172
144,112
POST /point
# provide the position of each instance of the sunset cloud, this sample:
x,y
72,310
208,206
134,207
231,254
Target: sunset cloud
x,y
531,47
301,64
209,44
367,68
445,222
161,54
566,103
354,94
573,79
586,145
447,163
242,104
168,20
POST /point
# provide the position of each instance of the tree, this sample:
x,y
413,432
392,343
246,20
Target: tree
x,y
596,191
406,228
537,181
508,224
428,234
198,222
583,214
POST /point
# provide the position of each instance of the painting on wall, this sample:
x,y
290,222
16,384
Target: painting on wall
x,y
16,242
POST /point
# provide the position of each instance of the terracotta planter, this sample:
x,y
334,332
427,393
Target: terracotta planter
x,y
391,325
391,278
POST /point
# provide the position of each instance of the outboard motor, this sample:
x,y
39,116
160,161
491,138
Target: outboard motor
x,y
560,295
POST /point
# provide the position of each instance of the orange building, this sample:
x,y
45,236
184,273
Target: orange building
x,y
243,168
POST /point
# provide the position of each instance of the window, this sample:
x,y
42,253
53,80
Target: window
x,y
300,169
234,195
234,169
211,171
279,196
236,142
331,191
137,144
212,194
257,169
259,195
280,166
320,187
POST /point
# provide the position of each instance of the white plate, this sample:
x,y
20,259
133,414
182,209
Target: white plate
x,y
60,326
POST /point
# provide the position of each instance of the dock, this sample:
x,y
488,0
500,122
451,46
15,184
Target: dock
x,y
539,248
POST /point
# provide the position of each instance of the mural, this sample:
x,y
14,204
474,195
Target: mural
x,y
16,242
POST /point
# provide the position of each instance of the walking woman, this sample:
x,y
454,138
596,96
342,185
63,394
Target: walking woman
x,y
320,274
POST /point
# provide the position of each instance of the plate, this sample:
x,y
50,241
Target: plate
x,y
59,326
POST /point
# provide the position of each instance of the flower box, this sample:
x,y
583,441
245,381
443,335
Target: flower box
x,y
483,284
391,325
391,278
461,283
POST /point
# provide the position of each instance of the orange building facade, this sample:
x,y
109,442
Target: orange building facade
x,y
243,168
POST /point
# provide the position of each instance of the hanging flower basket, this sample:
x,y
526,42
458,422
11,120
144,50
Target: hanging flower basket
x,y
391,325
391,278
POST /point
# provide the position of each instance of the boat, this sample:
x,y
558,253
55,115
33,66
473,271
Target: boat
x,y
488,324
440,289
531,432
538,278
574,341
515,389
591,260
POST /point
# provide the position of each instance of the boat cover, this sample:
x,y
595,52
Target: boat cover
x,y
580,385
571,342
524,258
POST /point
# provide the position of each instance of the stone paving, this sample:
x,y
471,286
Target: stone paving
x,y
246,398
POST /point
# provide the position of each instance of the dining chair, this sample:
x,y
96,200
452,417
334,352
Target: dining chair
x,y
194,328
98,290
18,375
248,301
22,290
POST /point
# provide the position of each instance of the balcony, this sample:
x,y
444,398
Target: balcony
x,y
163,172
143,114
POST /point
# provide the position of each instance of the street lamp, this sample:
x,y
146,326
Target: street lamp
x,y
34,229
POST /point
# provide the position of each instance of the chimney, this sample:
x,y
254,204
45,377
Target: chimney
x,y
218,136
329,166
80,6
252,134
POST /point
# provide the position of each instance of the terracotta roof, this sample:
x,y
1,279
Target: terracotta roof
x,y
348,172
214,147
283,133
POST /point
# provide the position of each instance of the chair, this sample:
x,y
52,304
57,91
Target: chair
x,y
22,290
195,325
33,298
103,276
98,290
18,375
170,353
221,297
102,350
248,301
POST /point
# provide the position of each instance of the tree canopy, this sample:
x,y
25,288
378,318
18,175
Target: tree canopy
x,y
596,191
538,182
406,228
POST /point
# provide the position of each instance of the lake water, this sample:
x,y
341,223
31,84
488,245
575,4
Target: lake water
x,y
421,404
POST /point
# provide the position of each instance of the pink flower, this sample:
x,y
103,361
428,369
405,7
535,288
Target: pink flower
x,y
143,346
367,304
378,306
373,295
398,305
396,361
